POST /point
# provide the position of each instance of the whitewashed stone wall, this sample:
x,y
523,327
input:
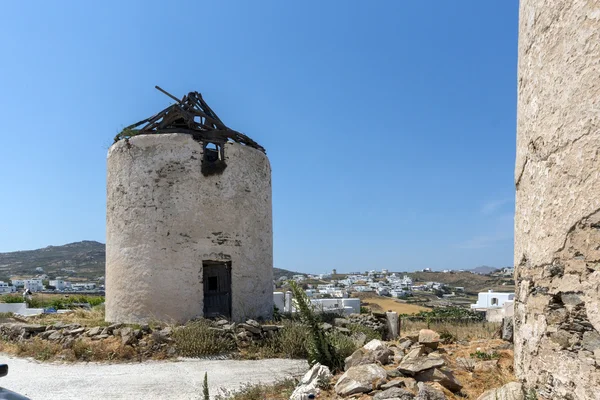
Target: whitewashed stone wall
x,y
164,218
557,222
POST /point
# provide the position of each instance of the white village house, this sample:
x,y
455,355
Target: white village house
x,y
492,299
496,305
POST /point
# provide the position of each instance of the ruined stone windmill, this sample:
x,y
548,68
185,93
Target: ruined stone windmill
x,y
189,220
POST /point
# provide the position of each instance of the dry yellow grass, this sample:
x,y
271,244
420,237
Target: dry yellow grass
x,y
475,383
470,331
379,303
93,317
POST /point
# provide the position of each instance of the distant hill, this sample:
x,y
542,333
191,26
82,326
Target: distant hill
x,y
83,260
472,283
484,269
278,273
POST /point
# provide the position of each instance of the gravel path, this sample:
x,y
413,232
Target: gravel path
x,y
149,380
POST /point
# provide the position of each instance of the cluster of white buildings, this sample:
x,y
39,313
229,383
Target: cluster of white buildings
x,y
343,306
37,285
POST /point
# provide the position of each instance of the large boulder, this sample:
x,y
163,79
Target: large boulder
x,y
426,392
510,391
442,376
412,366
361,379
363,357
394,393
374,345
429,338
310,382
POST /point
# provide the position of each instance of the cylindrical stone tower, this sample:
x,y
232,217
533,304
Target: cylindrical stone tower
x,y
557,221
189,229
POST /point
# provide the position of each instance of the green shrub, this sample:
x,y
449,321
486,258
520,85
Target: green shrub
x,y
197,339
369,332
11,298
279,390
292,340
344,346
320,347
447,337
64,302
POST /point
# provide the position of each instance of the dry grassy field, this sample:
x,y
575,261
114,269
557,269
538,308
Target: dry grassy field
x,y
379,303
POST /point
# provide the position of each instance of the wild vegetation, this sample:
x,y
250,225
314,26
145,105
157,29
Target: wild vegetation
x,y
55,301
279,391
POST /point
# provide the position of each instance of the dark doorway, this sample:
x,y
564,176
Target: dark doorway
x,y
217,288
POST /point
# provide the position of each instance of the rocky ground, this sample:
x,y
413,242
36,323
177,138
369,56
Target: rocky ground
x,y
418,366
93,340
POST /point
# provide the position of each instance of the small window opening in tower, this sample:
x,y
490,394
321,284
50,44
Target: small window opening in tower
x,y
212,151
494,301
213,161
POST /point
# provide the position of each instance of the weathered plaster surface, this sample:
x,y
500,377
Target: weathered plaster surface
x,y
557,221
164,218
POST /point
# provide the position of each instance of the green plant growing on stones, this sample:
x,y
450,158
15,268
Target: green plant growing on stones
x,y
320,346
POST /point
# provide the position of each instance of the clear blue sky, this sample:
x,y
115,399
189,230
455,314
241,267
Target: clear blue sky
x,y
390,125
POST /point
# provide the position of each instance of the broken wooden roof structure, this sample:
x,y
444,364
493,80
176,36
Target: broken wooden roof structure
x,y
189,115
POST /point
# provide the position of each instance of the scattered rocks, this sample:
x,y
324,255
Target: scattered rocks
x,y
376,321
410,384
77,331
250,328
311,382
394,393
394,373
413,366
441,375
393,384
68,342
364,356
56,335
94,331
33,328
361,379
374,345
46,334
427,392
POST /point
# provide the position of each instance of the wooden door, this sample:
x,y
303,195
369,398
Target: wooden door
x,y
217,289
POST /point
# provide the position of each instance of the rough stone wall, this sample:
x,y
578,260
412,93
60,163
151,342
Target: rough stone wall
x,y
557,221
164,218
